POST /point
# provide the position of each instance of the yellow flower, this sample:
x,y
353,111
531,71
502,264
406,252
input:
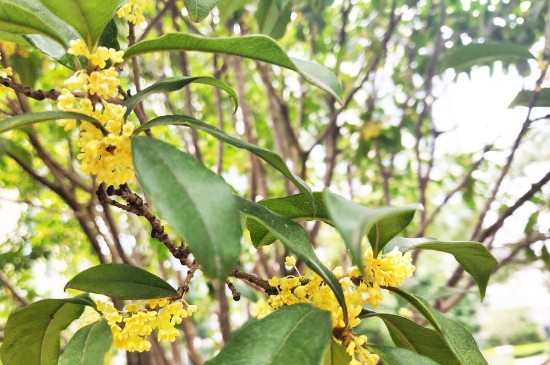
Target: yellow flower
x,y
133,11
290,261
131,327
77,47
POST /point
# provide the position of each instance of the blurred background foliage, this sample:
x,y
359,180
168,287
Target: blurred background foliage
x,y
388,144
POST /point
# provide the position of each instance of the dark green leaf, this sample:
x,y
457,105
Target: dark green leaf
x,y
296,207
412,336
270,157
199,9
109,37
462,58
176,83
89,345
336,355
396,356
472,256
87,17
121,281
297,334
296,240
30,118
197,203
256,47
352,220
458,339
524,97
32,17
32,333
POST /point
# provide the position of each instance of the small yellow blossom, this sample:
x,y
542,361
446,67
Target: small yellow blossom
x,y
133,11
131,327
386,270
290,261
77,47
371,130
405,312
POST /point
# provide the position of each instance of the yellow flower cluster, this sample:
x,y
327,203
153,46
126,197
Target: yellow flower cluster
x,y
386,270
104,153
133,11
131,327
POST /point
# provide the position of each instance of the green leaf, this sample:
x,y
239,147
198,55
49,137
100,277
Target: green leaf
x,y
296,240
523,98
458,339
257,47
197,203
472,256
336,354
87,17
199,9
228,8
396,356
272,18
270,157
413,337
109,37
462,58
352,220
23,120
121,281
296,207
296,334
176,83
32,17
89,345
31,335
11,147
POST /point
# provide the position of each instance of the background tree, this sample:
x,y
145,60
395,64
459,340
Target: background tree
x,y
379,146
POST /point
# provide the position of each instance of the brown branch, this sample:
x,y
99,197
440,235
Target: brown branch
x,y
153,23
4,280
137,206
234,292
508,212
223,311
525,127
255,281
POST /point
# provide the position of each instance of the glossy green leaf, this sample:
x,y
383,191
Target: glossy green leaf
x,y
121,281
176,83
463,57
109,37
397,356
296,240
199,9
296,207
23,120
256,47
197,203
474,257
270,157
413,337
32,17
458,339
336,354
296,334
87,17
353,220
31,335
524,97
89,345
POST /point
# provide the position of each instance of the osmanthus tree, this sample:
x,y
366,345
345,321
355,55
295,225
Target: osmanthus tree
x,y
311,310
